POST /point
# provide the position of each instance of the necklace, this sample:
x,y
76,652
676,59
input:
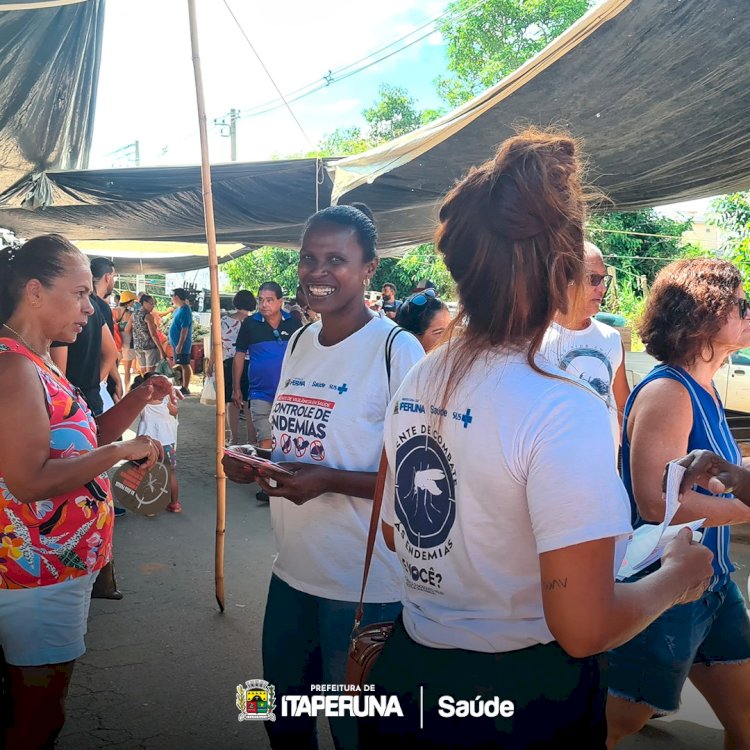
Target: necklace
x,y
45,358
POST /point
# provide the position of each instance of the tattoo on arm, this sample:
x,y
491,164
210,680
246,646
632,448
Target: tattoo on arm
x,y
555,583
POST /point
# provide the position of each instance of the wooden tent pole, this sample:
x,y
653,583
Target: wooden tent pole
x,y
216,352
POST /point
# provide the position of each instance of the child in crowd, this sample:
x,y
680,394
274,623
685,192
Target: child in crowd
x,y
158,420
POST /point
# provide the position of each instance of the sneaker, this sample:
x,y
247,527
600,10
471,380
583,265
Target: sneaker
x,y
185,391
119,511
262,498
174,507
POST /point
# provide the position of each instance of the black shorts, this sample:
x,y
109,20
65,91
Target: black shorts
x,y
558,700
244,383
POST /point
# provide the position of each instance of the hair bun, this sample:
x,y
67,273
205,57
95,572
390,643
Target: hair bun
x,y
364,209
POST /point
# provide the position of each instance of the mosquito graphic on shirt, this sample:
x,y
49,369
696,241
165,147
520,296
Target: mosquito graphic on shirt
x,y
425,481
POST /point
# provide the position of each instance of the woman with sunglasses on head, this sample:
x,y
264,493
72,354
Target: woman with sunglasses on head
x,y
424,315
585,348
506,537
337,378
696,316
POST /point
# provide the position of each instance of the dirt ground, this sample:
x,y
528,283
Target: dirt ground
x,y
163,664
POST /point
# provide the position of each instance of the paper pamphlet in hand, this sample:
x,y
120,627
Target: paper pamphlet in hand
x,y
247,455
648,541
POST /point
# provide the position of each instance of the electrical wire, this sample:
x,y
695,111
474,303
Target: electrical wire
x,y
344,72
268,73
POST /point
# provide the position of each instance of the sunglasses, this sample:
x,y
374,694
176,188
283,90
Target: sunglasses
x,y
595,279
743,306
421,297
277,336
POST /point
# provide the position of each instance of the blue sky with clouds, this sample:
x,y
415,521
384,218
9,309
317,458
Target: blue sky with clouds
x,y
146,89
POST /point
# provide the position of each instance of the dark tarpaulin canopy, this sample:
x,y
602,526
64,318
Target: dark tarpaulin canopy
x,y
260,203
658,90
49,68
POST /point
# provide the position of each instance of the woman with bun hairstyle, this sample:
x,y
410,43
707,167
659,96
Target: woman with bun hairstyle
x,y
424,315
327,419
55,506
503,504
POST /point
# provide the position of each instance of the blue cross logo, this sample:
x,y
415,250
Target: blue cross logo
x,y
342,389
467,419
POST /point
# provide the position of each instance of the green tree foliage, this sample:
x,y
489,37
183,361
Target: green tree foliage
x,y
731,213
342,142
423,262
488,40
266,264
394,113
638,243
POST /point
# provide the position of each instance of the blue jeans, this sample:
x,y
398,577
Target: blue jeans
x,y
306,642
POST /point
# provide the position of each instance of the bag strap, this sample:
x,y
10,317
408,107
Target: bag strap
x,y
377,502
294,343
389,351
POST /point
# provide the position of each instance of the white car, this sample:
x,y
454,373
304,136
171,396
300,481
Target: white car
x,y
732,380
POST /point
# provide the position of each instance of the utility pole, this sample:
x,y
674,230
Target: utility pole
x,y
137,153
231,130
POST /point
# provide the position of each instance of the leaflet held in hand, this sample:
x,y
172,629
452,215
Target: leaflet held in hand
x,y
648,541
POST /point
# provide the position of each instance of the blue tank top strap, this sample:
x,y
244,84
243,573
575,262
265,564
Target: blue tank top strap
x,y
710,431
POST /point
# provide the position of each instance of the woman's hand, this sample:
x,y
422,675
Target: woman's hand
x,y
715,474
157,387
238,471
143,449
692,562
304,484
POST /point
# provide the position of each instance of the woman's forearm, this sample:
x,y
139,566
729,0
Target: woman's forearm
x,y
718,511
354,483
116,420
60,475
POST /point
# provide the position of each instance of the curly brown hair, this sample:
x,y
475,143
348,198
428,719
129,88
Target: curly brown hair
x,y
689,303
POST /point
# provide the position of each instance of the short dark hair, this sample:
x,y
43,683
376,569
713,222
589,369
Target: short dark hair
x,y
358,217
244,300
271,286
100,267
390,285
417,318
180,293
145,298
690,301
41,258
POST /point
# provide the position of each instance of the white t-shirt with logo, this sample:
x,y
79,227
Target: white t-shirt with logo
x,y
518,465
330,409
593,355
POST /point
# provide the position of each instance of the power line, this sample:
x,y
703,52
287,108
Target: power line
x,y
268,73
344,72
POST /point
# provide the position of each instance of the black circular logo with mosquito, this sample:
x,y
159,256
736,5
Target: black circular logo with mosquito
x,y
425,492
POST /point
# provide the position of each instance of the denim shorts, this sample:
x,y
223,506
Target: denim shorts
x,y
182,359
652,667
45,624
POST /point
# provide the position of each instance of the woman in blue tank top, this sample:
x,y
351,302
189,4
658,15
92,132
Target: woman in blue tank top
x,y
696,316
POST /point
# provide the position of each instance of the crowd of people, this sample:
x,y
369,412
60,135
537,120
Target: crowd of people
x,y
497,433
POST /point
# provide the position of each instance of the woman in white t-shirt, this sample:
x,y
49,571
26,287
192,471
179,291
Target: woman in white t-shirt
x,y
585,348
503,504
337,379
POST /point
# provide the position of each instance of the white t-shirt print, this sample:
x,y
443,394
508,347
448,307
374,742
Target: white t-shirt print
x,y
330,409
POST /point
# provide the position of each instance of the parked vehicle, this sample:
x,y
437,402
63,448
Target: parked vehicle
x,y
732,380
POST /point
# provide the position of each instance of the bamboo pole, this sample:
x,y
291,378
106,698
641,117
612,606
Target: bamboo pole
x,y
216,352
